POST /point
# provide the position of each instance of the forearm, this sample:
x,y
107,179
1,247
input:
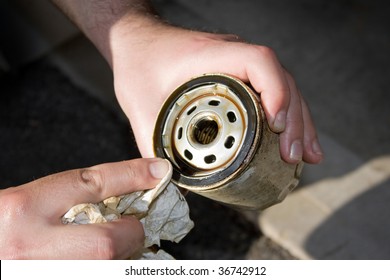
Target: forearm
x,y
101,20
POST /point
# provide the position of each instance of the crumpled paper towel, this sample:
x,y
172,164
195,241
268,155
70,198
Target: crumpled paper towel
x,y
163,212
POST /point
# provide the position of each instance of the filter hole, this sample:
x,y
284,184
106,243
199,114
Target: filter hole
x,y
214,103
229,142
180,133
191,110
231,116
205,131
210,159
188,154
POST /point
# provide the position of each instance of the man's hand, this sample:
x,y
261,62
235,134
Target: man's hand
x,y
175,55
31,227
150,59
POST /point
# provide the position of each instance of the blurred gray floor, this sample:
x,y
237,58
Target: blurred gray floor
x,y
339,54
337,51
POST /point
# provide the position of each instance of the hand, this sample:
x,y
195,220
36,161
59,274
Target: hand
x,y
163,57
30,215
150,59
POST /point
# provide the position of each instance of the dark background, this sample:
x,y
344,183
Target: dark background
x,y
50,121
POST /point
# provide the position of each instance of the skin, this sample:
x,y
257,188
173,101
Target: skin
x,y
149,59
29,231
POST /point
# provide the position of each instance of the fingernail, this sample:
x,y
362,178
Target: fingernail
x,y
280,121
159,168
317,147
296,150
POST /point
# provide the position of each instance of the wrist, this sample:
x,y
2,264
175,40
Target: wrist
x,y
99,20
131,37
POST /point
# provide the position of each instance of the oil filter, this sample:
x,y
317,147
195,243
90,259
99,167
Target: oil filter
x,y
214,132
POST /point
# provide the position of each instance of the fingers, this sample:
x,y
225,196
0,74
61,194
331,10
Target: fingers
x,y
59,192
267,77
118,239
312,152
285,109
299,139
291,139
50,197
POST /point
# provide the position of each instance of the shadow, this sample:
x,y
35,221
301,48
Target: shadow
x,y
360,229
219,233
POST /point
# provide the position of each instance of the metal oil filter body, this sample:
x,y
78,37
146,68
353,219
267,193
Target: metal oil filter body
x,y
214,131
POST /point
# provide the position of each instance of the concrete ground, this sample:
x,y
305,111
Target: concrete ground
x,y
338,53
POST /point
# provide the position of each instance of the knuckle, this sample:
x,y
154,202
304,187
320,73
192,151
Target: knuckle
x,y
265,51
14,204
14,208
105,247
92,180
284,90
132,173
138,177
15,250
295,120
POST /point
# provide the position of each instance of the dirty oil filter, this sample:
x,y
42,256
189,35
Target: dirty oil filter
x,y
214,132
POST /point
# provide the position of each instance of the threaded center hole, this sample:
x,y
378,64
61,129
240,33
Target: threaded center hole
x,y
205,131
